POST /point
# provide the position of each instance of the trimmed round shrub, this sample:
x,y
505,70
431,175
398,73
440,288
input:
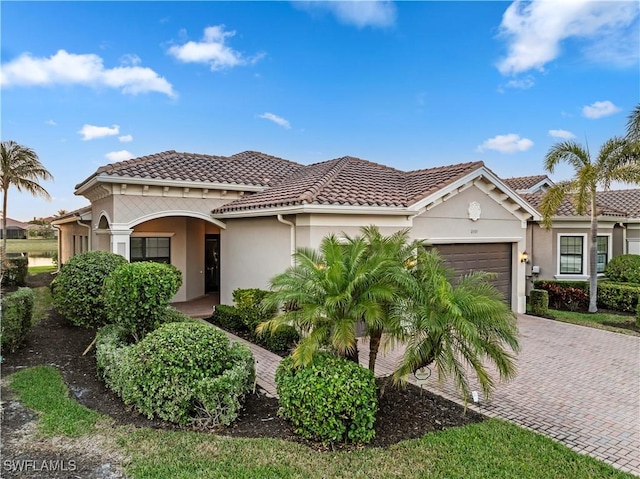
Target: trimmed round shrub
x,y
187,373
624,268
77,289
330,400
137,295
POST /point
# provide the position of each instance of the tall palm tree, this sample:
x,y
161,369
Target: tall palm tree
x,y
633,124
327,292
615,162
19,167
455,325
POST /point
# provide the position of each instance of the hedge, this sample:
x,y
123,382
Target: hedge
x,y
17,269
574,295
539,300
624,268
17,313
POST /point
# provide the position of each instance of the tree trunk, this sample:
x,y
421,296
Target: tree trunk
x,y
352,354
4,220
374,345
593,257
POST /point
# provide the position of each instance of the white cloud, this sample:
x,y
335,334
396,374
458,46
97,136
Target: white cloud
x,y
91,132
212,50
564,134
276,119
535,31
361,13
521,83
510,143
599,109
65,68
50,122
121,155
130,59
125,138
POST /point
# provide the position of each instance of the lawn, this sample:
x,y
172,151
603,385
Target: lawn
x,y
493,448
35,247
619,323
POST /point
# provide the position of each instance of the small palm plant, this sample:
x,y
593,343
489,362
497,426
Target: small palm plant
x,y
455,326
327,292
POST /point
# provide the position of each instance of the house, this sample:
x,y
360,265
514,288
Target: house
x,y
233,222
561,252
15,229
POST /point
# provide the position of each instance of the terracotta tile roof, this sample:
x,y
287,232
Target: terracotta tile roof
x,y
247,168
624,200
567,208
354,182
523,183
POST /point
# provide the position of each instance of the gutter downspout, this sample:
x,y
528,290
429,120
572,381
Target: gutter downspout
x,y
293,236
59,245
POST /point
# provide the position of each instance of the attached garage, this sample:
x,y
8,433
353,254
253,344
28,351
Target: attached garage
x,y
489,257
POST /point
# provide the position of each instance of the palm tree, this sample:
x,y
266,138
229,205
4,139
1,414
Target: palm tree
x,y
327,292
20,167
455,326
400,253
615,162
633,124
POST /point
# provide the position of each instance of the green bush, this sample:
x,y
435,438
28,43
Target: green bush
x,y
185,372
228,318
539,299
624,268
618,296
249,307
566,295
16,271
17,312
77,289
332,399
280,341
638,314
137,294
111,349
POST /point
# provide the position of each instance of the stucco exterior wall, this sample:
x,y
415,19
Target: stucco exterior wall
x,y
252,251
73,239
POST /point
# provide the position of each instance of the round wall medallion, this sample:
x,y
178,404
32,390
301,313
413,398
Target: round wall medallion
x,y
474,211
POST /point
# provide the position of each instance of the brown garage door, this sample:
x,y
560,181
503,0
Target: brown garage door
x,y
491,257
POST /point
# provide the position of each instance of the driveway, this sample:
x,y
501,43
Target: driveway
x,y
578,385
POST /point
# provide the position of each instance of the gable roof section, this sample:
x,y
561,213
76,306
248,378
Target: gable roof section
x,y
353,182
567,209
527,184
249,168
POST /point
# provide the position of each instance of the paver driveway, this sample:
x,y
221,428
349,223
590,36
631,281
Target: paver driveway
x,y
578,385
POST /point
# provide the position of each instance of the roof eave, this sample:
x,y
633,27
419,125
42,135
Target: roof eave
x,y
317,209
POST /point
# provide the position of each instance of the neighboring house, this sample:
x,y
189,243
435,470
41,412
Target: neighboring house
x,y
15,229
561,252
234,222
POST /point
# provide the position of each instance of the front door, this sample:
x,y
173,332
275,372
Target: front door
x,y
212,263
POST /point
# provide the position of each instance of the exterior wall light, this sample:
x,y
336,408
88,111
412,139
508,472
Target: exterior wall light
x,y
524,257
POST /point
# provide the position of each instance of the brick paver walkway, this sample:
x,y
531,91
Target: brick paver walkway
x,y
578,385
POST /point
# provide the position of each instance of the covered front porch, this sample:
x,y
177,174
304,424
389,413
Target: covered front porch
x,y
201,307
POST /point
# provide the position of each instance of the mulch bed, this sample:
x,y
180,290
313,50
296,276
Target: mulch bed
x,y
403,413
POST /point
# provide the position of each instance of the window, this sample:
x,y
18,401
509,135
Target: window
x,y
603,253
571,254
151,249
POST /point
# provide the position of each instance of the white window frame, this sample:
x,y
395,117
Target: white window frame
x,y
609,249
584,274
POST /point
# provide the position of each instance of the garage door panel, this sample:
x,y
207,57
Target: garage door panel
x,y
489,257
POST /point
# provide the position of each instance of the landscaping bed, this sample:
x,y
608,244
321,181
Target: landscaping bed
x,y
403,413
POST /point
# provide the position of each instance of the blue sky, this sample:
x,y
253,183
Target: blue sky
x,y
407,84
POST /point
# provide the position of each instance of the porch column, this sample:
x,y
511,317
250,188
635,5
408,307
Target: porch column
x,y
120,241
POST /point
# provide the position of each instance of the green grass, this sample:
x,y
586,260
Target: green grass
x,y
491,449
35,247
42,269
42,303
618,323
41,388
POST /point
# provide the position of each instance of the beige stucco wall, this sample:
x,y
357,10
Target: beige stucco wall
x,y
72,239
252,251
